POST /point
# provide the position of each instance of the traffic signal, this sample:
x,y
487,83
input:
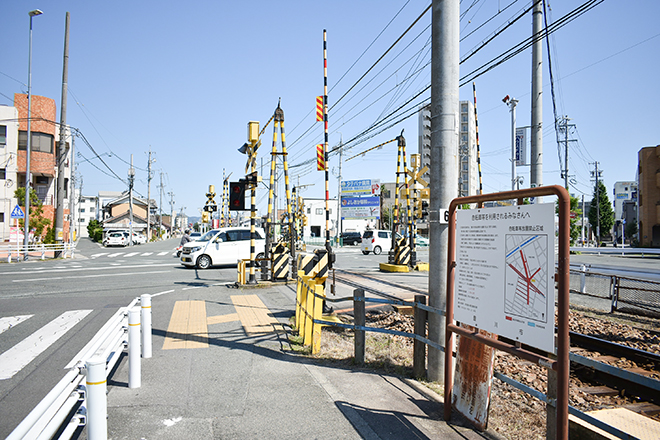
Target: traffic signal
x,y
205,217
237,196
425,209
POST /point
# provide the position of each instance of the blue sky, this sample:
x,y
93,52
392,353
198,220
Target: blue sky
x,y
184,78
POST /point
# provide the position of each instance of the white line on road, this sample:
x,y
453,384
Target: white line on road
x,y
130,254
89,269
98,255
10,321
21,354
115,255
160,254
89,276
146,254
162,293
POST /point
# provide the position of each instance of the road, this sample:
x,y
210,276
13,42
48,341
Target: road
x,y
55,307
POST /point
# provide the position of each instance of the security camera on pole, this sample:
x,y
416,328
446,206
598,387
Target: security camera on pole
x,y
512,102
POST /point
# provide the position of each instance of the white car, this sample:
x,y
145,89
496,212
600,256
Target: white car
x,y
376,240
117,239
224,246
139,238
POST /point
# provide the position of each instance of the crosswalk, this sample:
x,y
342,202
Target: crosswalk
x,y
24,352
129,254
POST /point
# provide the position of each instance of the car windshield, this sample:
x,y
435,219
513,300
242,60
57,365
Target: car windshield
x,y
208,236
368,234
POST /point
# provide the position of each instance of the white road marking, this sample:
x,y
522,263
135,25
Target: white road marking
x,y
146,254
98,255
87,269
10,321
160,254
89,276
162,293
115,255
21,354
130,254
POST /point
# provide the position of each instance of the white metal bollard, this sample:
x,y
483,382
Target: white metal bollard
x,y
145,301
583,279
97,403
134,377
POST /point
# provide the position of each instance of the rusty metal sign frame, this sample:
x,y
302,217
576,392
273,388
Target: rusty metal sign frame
x,y
561,364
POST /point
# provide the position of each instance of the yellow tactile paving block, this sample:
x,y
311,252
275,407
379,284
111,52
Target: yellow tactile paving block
x,y
221,318
254,315
188,327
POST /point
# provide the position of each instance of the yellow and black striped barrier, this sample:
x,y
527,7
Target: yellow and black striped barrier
x,y
402,252
280,262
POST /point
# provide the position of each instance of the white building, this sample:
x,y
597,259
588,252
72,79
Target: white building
x,y
468,173
86,210
102,200
8,168
315,212
623,191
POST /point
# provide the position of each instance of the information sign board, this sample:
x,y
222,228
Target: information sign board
x,y
360,207
363,187
521,147
505,272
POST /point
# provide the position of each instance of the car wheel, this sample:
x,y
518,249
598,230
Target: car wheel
x,y
377,250
204,262
178,254
365,252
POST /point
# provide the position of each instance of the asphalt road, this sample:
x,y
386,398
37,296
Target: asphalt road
x,y
76,296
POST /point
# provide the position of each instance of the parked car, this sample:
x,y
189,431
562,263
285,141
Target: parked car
x,y
117,239
194,236
224,246
421,241
139,238
349,238
376,240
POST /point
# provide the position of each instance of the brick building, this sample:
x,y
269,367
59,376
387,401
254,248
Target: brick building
x,y
649,196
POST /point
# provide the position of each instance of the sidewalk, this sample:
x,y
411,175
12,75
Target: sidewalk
x,y
230,381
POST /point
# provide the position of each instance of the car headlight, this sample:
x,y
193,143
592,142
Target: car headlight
x,y
195,249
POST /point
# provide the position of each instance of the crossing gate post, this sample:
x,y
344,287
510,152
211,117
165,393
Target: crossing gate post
x,y
280,265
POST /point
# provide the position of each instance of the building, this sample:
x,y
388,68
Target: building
x,y
8,168
468,174
45,137
116,214
315,212
86,210
624,193
102,200
648,172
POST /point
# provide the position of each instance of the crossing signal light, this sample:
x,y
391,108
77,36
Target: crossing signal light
x,y
237,196
205,217
425,209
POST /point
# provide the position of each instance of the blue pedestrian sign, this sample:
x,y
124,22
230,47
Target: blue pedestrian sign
x,y
17,212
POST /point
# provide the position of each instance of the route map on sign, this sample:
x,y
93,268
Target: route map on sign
x,y
526,276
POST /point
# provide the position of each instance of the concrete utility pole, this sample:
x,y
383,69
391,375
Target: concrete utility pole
x,y
341,154
160,207
149,177
565,127
72,198
596,175
444,164
131,179
62,149
536,147
171,194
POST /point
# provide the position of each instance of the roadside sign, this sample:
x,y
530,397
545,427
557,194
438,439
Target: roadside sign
x,y
360,207
363,187
17,212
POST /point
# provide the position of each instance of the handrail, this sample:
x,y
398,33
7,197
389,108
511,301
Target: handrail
x,y
18,252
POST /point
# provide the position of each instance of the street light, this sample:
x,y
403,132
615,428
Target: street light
x,y
26,234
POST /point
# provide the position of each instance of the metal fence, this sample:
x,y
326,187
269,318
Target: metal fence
x,y
41,251
627,295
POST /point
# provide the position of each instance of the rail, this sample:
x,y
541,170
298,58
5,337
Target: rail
x,y
616,250
57,413
42,251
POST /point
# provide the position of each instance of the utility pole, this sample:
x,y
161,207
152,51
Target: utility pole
x,y
62,149
160,207
536,147
131,179
444,165
596,174
341,154
564,127
583,214
171,194
72,198
149,177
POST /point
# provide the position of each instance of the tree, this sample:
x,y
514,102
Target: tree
x,y
95,230
601,200
37,220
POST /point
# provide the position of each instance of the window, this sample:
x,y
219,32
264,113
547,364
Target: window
x,y
464,117
40,141
319,211
2,217
464,108
3,135
41,180
91,209
82,210
464,127
382,234
3,173
81,220
309,210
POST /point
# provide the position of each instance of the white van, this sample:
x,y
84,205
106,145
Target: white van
x,y
376,240
224,246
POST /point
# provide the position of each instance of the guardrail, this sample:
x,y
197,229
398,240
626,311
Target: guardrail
x,y
11,253
94,363
616,250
